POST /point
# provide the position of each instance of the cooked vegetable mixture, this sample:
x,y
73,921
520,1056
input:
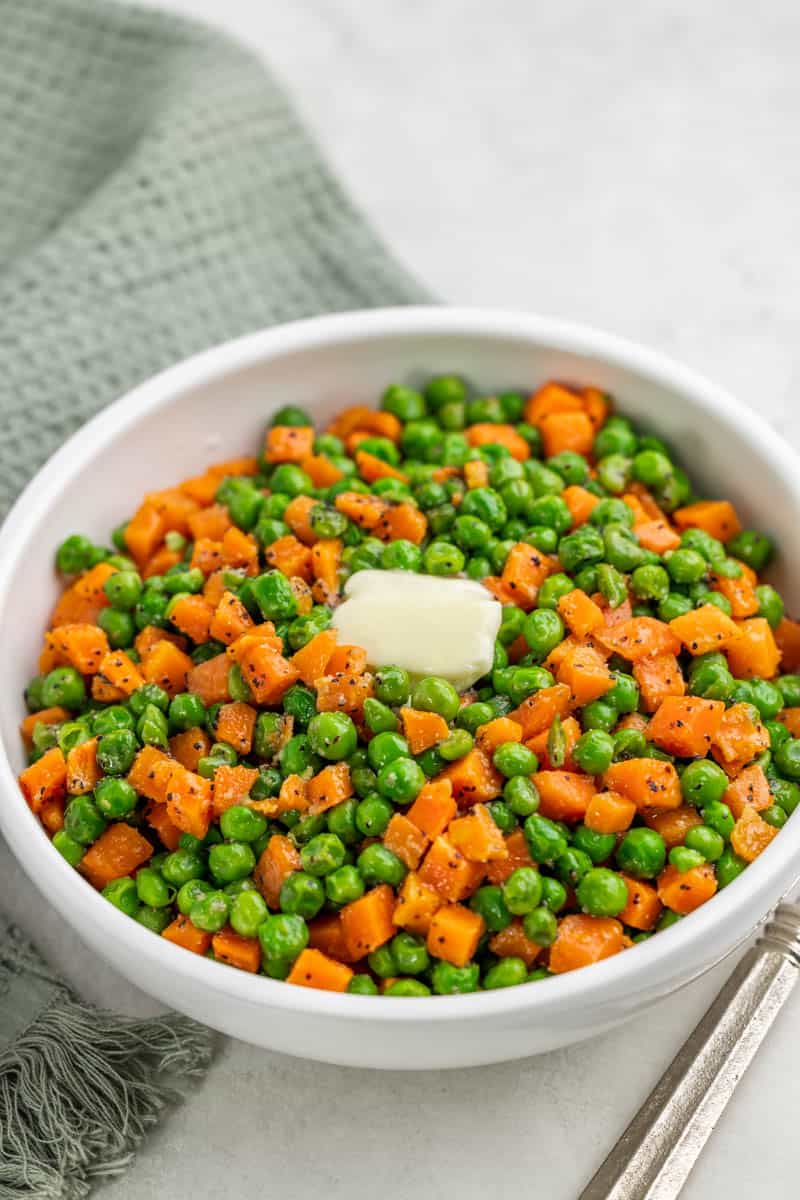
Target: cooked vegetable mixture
x,y
208,757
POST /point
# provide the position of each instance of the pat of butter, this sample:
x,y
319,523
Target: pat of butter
x,y
430,626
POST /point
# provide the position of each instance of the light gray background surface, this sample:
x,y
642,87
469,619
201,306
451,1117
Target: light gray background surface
x,y
630,165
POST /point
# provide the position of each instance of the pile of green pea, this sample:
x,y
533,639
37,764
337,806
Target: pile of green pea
x,y
470,533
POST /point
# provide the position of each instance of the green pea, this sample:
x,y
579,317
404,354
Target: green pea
x,y
302,895
344,885
248,912
392,685
290,480
611,511
449,980
268,530
614,472
381,962
572,865
718,600
629,743
622,550
63,687
152,728
297,756
651,582
511,625
181,866
362,985
602,893
543,630
685,566
385,748
522,891
512,758
705,841
148,693
770,605
774,815
304,828
364,780
456,746
551,511
611,584
433,694
675,605
778,734
75,554
341,820
523,681
683,859
228,861
553,588
521,796
401,780
407,987
488,902
186,711
441,390
123,894
378,717
506,973
402,555
323,854
487,504
242,824
787,759
789,686
443,558
69,847
554,894
581,548
115,798
541,926
409,953
599,715
786,794
471,716
377,864
327,522
189,893
332,735
154,919
767,698
421,439
502,815
545,840
616,437
116,751
543,480
152,889
712,681
599,846
594,751
641,853
572,467
542,538
753,548
283,936
728,866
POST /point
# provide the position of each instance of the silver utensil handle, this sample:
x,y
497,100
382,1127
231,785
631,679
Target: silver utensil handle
x,y
653,1158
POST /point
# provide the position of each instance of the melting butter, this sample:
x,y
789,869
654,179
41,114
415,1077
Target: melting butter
x,y
428,625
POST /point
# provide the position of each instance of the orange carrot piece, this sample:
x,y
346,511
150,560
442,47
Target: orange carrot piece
x,y
537,712
581,615
476,474
235,724
658,536
325,933
212,523
83,771
751,834
193,615
566,431
787,638
312,659
658,676
367,923
581,504
321,471
47,716
119,851
416,905
608,812
267,673
45,779
584,671
118,670
231,785
487,434
672,824
149,774
519,855
405,840
454,934
277,862
314,969
209,680
288,443
582,940
644,907
641,636
293,794
181,932
474,779
344,693
157,818
717,517
448,872
686,725
739,738
329,787
81,645
402,520
434,807
371,468
290,556
647,782
754,654
477,836
296,516
188,799
496,733
750,789
230,619
364,511
525,570
423,729
347,660
237,951
167,666
563,795
683,892
367,420
552,398
740,593
512,942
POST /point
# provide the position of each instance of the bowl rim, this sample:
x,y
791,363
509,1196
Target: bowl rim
x,y
741,906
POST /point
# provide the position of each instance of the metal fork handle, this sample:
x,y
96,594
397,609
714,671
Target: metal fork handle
x,y
653,1158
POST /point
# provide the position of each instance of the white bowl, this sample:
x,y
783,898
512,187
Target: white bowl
x,y
215,406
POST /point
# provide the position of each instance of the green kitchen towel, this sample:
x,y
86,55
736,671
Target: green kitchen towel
x,y
157,195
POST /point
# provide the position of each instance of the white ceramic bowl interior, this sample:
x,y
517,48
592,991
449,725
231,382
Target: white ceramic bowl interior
x,y
215,406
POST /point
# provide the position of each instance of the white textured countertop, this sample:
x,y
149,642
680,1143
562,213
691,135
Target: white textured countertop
x,y
632,166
